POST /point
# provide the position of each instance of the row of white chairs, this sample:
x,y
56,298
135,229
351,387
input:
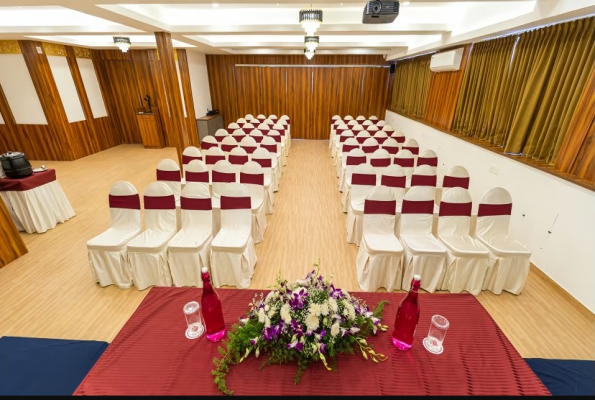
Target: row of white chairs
x,y
262,122
250,142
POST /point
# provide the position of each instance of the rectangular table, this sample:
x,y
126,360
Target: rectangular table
x,y
151,355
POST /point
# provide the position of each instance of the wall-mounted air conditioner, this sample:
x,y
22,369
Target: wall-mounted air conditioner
x,y
447,60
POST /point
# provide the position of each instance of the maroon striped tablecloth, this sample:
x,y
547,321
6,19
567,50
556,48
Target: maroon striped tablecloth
x,y
151,356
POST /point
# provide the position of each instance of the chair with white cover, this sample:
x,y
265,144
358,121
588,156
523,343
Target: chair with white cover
x,y
395,178
272,146
269,122
387,128
352,123
222,174
456,176
233,255
220,134
373,129
229,143
361,135
256,134
254,122
367,123
252,176
355,157
424,255
238,157
265,160
284,137
373,118
391,146
249,144
380,255
248,126
190,153
190,249
412,146
428,157
348,118
342,137
405,159
261,117
241,121
425,176
509,260
273,118
360,118
381,123
168,172
262,128
107,251
239,134
212,157
147,253
466,258
282,147
398,136
336,135
363,181
285,121
335,120
208,142
380,160
249,117
346,147
369,146
380,137
232,127
197,172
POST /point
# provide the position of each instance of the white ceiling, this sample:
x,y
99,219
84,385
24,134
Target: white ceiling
x,y
272,26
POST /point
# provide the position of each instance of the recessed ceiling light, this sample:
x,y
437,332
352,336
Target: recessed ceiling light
x,y
406,3
215,5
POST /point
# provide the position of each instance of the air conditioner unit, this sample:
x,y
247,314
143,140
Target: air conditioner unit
x,y
380,12
447,60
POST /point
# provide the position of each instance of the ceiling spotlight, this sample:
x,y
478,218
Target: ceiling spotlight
x,y
311,42
310,20
122,42
309,53
215,5
405,3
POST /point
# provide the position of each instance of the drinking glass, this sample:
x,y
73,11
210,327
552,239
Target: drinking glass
x,y
438,328
194,320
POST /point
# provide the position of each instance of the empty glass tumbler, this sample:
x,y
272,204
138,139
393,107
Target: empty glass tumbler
x,y
194,320
438,327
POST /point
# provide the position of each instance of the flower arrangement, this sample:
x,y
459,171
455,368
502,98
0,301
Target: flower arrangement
x,y
305,321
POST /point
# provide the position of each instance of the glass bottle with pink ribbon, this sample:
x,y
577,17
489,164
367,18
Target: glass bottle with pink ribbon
x,y
407,317
211,309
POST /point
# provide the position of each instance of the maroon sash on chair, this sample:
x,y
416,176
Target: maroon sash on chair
x,y
220,138
380,162
363,179
370,149
340,131
130,202
211,159
235,203
413,150
343,138
223,177
383,207
248,130
160,202
252,179
404,162
202,177
274,120
454,209
393,181
186,159
380,139
494,210
207,145
417,207
231,131
187,203
228,147
399,139
264,162
270,147
391,149
361,139
249,149
348,147
169,176
237,159
277,138
355,160
453,181
423,180
431,161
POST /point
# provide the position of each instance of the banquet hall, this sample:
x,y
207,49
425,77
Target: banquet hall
x,y
328,181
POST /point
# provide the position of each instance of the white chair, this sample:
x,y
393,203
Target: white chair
x,y
363,181
398,136
424,255
220,134
232,251
346,147
212,157
269,122
391,146
381,123
238,157
380,255
222,174
147,253
428,157
256,134
265,160
190,249
252,176
380,137
254,122
373,118
348,118
241,121
197,172
107,251
190,153
352,123
361,136
336,135
360,118
367,123
342,137
239,134
412,146
263,127
232,127
229,143
373,129
335,120
272,146
424,175
456,176
261,117
249,117
282,148
405,160
281,130
509,260
168,172
395,178
380,160
466,258
273,118
369,146
286,122
387,128
352,159
357,128
249,144
208,142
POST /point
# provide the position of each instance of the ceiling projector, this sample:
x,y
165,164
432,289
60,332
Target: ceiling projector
x,y
380,12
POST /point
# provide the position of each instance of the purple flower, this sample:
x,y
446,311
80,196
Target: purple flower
x,y
298,298
299,346
253,341
322,348
296,328
336,293
271,333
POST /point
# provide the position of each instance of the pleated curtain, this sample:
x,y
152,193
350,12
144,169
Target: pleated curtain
x,y
410,87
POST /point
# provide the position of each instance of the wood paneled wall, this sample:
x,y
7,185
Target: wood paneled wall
x,y
443,94
309,96
12,245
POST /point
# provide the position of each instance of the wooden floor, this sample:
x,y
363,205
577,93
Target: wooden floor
x,y
49,292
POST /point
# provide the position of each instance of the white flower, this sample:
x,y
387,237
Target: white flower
x,y
257,352
333,305
285,313
266,308
324,308
271,295
347,296
312,322
349,311
315,309
267,322
272,312
261,315
335,329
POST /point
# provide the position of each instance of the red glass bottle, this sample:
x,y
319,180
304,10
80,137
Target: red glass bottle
x,y
407,317
211,309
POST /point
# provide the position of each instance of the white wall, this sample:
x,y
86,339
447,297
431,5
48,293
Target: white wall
x,y
181,88
20,91
541,203
92,87
199,80
66,88
1,119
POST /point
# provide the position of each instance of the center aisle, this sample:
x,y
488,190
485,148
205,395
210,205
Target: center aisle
x,y
307,223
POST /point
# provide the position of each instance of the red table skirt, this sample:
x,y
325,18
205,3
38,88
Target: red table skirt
x,y
28,183
151,356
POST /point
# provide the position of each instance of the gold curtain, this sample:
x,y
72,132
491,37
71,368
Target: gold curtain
x,y
481,100
554,62
410,87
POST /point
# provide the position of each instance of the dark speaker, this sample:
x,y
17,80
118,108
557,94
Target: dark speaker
x,y
393,67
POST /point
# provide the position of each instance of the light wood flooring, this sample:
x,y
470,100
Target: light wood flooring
x,y
49,292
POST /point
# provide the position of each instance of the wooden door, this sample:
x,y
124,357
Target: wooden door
x,y
350,91
249,93
274,91
325,101
299,101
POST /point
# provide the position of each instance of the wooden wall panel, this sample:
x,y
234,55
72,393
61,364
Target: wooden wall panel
x,y
350,93
299,101
443,94
274,91
12,244
249,91
375,92
191,127
325,102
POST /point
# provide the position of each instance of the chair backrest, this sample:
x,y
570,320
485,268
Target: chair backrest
x,y
417,211
367,123
220,134
348,118
265,159
247,127
361,136
372,129
254,122
252,176
428,157
380,123
238,156
279,128
373,118
249,117
263,126
357,128
233,126
380,137
355,157
208,142
387,128
124,204
284,122
456,176
160,208
380,207
229,143
168,172
349,145
363,179
395,178
380,159
190,153
261,117
275,135
345,135
270,144
238,134
412,146
391,146
223,174
424,175
405,159
241,121
352,123
493,214
257,135
197,171
398,136
335,118
212,156
370,145
360,118
269,122
285,118
196,207
455,213
236,208
249,144
273,118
